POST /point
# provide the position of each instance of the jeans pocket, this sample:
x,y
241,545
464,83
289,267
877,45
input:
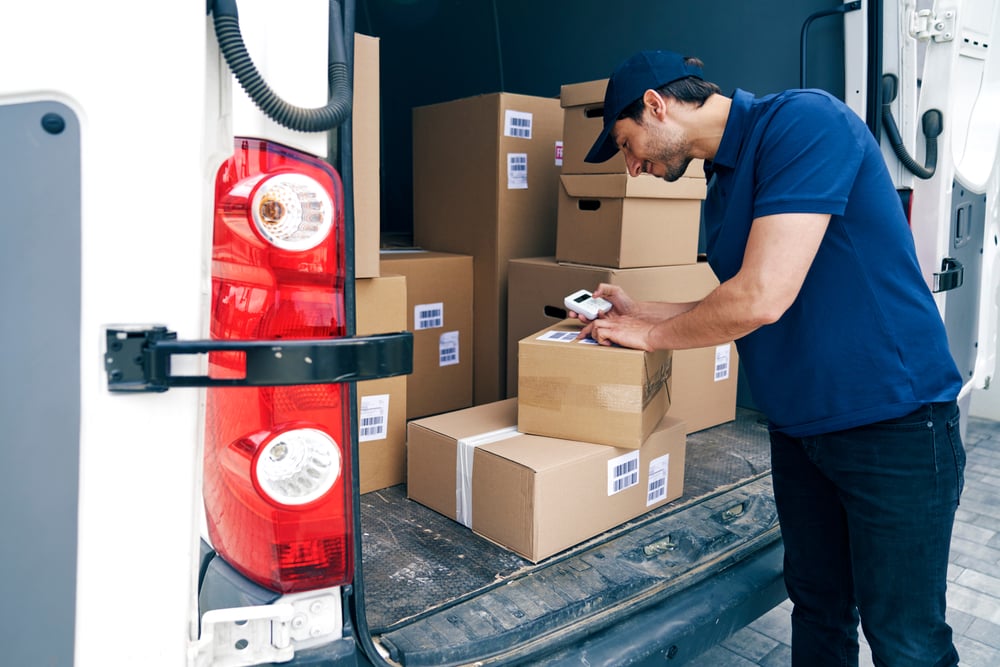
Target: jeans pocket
x,y
958,453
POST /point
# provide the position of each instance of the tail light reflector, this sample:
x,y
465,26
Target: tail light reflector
x,y
277,481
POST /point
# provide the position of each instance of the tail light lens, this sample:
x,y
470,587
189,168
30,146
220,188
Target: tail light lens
x,y
277,480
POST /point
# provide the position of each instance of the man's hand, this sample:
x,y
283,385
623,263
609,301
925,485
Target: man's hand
x,y
625,331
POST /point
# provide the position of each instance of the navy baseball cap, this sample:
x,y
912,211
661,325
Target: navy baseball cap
x,y
644,70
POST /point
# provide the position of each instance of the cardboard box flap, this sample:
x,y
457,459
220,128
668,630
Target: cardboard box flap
x,y
608,186
474,421
587,92
540,453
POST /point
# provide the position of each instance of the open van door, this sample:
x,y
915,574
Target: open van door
x,y
924,76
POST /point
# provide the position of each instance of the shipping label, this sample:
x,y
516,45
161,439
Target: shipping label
x,y
722,362
623,472
374,418
659,472
448,349
428,316
517,124
517,171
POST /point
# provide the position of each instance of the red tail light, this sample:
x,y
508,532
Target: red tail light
x,y
277,481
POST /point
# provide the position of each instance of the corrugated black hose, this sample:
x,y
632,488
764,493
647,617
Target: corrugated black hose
x,y
932,127
320,119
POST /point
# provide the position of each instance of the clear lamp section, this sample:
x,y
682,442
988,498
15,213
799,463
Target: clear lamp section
x,y
292,211
297,467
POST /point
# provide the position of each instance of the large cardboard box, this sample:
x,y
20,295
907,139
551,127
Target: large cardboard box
x,y
485,181
622,221
531,494
366,128
703,382
380,304
439,313
580,390
583,119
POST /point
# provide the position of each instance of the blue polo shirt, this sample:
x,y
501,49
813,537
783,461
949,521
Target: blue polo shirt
x,y
863,341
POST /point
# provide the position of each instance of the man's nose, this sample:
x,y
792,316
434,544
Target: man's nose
x,y
633,164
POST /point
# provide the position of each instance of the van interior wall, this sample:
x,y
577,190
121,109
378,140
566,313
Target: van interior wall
x,y
438,50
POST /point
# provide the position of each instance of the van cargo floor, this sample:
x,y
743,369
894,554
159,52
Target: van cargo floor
x,y
417,561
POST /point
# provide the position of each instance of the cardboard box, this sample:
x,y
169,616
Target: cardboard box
x,y
531,494
619,221
485,182
703,386
366,139
380,304
583,119
439,313
580,390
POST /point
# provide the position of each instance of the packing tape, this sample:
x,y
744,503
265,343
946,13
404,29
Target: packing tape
x,y
463,469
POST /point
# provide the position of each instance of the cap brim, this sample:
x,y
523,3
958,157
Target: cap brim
x,y
604,148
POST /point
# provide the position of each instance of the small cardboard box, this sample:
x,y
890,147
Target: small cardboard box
x,y
583,119
703,382
580,390
485,183
380,304
619,221
535,495
439,313
366,129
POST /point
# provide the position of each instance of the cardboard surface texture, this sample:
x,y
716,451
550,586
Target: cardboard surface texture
x,y
701,393
579,390
381,308
439,313
366,130
537,495
485,182
618,221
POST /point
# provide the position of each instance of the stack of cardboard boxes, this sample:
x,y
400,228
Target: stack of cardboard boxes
x,y
640,233
533,439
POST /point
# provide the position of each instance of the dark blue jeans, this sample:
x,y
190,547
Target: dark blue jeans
x,y
866,516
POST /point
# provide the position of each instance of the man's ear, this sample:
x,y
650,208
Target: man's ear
x,y
656,103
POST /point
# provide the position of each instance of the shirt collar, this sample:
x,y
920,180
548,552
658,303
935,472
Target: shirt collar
x,y
732,136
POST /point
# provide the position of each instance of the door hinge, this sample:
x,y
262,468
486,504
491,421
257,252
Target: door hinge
x,y
138,359
951,276
926,25
245,636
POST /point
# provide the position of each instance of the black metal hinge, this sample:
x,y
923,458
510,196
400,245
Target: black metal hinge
x,y
139,360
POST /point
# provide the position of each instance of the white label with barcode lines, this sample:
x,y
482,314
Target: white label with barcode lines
x,y
374,418
722,362
559,336
448,349
517,171
428,316
517,124
659,473
623,472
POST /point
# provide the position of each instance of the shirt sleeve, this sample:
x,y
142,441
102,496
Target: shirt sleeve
x,y
808,157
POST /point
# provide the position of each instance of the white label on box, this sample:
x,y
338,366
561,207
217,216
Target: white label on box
x,y
428,316
448,349
722,362
517,171
559,336
374,418
517,124
659,470
623,472
559,153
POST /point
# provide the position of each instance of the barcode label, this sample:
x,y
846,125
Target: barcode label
x,y
428,316
517,171
448,349
656,489
517,124
722,362
559,336
623,472
374,418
